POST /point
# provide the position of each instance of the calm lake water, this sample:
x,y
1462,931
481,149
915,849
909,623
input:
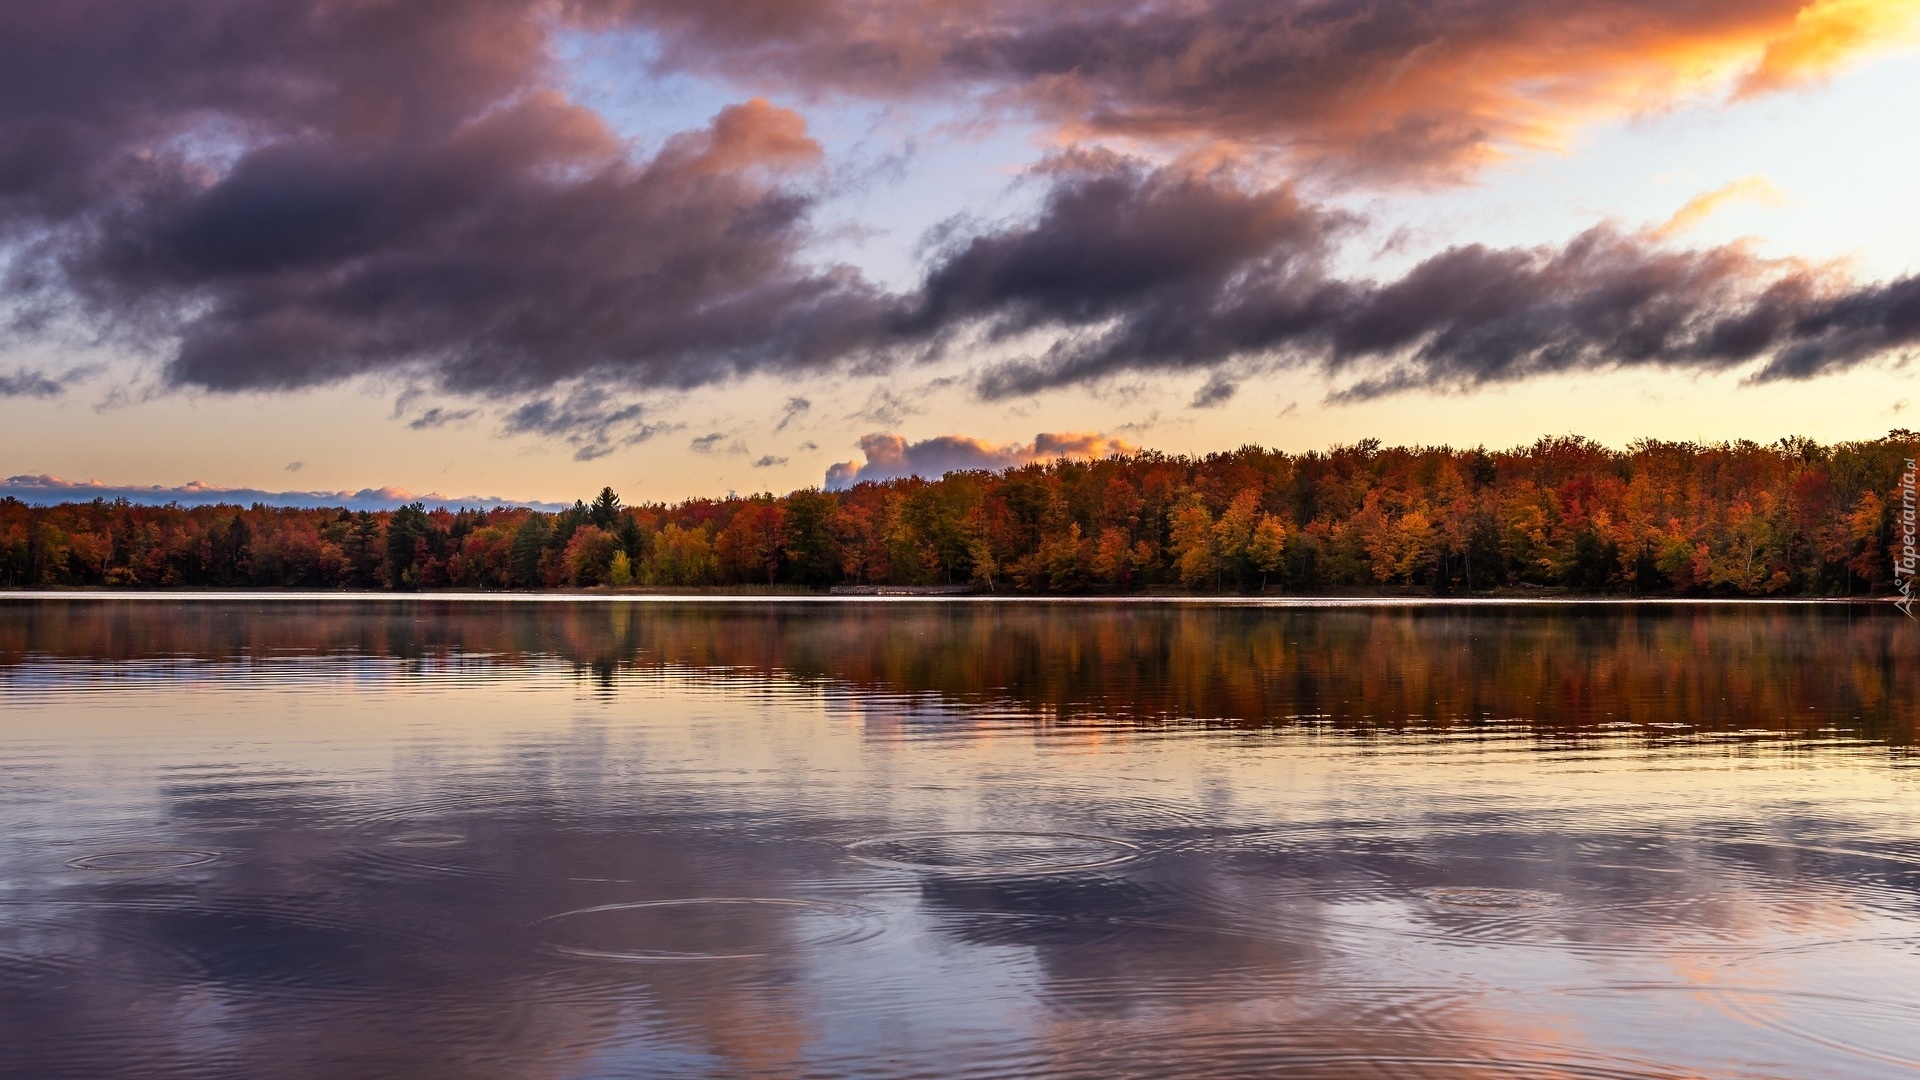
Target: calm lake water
x,y
368,838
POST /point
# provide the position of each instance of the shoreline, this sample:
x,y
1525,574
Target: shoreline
x,y
601,597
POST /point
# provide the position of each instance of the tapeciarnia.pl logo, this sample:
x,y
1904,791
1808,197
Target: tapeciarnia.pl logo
x,y
1903,567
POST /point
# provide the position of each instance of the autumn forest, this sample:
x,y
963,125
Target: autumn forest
x,y
1790,518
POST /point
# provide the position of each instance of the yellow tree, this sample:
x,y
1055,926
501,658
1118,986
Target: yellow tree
x,y
1267,549
1191,531
1234,531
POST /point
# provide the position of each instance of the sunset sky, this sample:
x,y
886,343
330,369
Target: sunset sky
x,y
521,249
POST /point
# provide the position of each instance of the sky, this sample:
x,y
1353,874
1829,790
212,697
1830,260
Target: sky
x,y
365,250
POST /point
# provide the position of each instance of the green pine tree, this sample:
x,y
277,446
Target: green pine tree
x,y
605,511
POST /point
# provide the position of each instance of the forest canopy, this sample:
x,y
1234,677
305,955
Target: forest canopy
x,y
1789,518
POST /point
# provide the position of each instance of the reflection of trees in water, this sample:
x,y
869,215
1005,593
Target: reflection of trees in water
x,y
1775,667
315,951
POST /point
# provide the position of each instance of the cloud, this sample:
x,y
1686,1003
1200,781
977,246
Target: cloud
x,y
275,196
1827,35
711,443
24,383
50,490
1134,268
1475,315
1148,252
291,194
890,457
795,408
296,466
1755,188
1130,269
768,461
1417,89
1217,392
589,419
36,383
886,408
440,417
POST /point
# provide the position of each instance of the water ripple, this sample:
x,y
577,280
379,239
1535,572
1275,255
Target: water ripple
x,y
994,853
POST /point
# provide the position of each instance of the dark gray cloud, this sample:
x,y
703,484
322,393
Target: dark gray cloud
x,y
591,420
23,382
283,195
1217,392
1130,269
1135,268
1841,331
440,416
717,442
1116,239
1475,315
768,461
794,409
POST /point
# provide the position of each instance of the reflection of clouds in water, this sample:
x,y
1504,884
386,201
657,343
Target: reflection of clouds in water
x,y
327,965
1316,900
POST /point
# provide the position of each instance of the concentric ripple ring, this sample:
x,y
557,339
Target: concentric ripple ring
x,y
143,861
704,928
994,853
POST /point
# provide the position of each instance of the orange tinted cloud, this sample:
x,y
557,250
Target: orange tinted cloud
x,y
756,132
1085,444
1415,89
1828,35
1755,188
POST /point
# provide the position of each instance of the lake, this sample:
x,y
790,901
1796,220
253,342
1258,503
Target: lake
x,y
330,837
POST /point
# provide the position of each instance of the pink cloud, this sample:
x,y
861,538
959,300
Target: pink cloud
x,y
890,457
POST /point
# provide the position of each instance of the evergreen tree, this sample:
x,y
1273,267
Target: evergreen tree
x,y
528,541
405,529
632,541
812,556
564,524
237,558
363,549
605,511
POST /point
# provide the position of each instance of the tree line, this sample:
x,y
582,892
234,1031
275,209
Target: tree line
x,y
1792,517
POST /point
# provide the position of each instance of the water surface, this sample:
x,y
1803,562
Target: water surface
x,y
271,837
